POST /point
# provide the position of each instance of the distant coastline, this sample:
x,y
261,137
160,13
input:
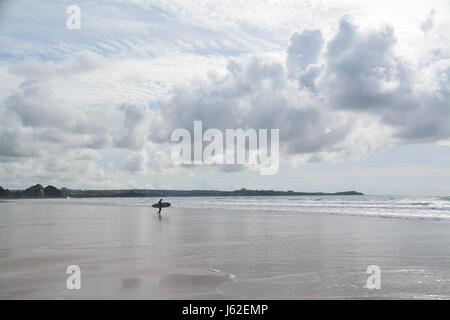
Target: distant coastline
x,y
38,191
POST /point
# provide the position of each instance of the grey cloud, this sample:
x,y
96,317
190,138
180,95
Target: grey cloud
x,y
97,141
357,67
132,132
55,120
36,106
309,75
36,70
353,74
304,49
17,143
52,136
363,73
254,94
315,97
224,102
428,24
303,54
136,162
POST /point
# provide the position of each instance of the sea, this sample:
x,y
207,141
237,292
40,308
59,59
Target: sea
x,y
387,206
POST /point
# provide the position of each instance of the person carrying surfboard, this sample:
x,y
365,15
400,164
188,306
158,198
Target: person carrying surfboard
x,y
160,205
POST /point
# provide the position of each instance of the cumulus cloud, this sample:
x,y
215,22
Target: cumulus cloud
x,y
16,143
428,24
332,97
137,162
45,132
327,94
363,73
255,93
302,56
134,126
54,117
80,62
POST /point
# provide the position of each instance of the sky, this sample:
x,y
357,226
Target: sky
x,y
359,90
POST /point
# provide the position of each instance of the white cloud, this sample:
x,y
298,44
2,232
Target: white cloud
x,y
428,24
137,162
337,89
361,87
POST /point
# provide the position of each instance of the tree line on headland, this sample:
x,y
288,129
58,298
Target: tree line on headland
x,y
38,191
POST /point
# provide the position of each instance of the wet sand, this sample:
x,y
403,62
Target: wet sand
x,y
128,252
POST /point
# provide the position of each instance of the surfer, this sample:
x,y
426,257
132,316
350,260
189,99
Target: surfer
x,y
160,205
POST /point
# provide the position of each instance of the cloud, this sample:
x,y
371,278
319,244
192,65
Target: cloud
x,y
137,162
255,93
428,24
81,62
363,73
16,143
328,93
46,134
134,125
303,54
333,95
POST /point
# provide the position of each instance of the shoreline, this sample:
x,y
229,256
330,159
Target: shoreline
x,y
282,208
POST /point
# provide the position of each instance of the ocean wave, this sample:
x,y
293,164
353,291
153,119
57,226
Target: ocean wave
x,y
434,208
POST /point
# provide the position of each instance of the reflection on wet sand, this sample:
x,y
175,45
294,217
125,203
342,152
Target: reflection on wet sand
x,y
131,253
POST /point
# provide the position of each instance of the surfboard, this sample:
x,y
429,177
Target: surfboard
x,y
163,205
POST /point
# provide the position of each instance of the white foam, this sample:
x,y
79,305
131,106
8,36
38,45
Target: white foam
x,y
433,208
